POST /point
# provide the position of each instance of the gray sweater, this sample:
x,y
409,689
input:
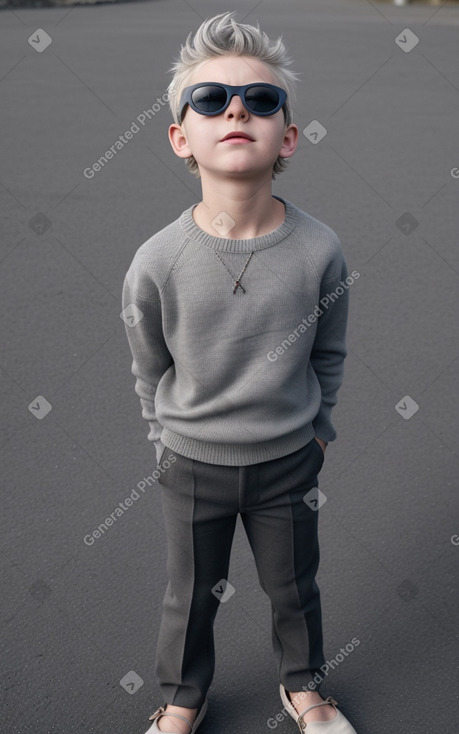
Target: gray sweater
x,y
238,373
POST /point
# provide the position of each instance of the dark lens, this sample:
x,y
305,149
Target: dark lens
x,y
209,99
261,99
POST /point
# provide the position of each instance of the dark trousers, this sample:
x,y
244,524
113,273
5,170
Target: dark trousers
x,y
201,503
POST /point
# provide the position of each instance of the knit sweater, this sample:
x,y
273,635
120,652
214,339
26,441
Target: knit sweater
x,y
237,374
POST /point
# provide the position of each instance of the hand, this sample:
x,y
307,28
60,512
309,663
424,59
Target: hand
x,y
321,443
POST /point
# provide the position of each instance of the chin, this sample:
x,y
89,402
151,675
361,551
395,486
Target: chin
x,y
241,168
242,173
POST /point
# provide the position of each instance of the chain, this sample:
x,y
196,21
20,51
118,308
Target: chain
x,y
237,283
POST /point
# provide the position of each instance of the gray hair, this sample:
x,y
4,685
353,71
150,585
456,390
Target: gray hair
x,y
222,35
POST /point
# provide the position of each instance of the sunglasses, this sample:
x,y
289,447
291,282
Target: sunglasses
x,y
209,98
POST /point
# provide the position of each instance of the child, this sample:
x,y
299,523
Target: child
x,y
238,343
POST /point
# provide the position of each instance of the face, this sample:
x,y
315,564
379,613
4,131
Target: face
x,y
202,136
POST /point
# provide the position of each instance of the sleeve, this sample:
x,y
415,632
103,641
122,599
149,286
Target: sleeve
x,y
329,348
151,358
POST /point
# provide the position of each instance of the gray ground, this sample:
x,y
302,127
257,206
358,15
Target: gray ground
x,y
78,619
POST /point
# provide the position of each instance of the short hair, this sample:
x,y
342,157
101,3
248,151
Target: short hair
x,y
222,35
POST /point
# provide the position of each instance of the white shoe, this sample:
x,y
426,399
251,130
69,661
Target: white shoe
x,y
162,712
338,725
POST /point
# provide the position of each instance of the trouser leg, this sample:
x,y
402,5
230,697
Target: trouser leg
x,y
283,533
200,517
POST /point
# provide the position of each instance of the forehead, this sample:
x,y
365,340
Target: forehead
x,y
233,70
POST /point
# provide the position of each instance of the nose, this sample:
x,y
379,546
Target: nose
x,y
236,108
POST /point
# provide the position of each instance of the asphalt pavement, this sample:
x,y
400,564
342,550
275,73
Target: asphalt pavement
x,y
378,162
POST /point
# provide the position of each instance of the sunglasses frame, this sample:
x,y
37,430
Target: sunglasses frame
x,y
187,98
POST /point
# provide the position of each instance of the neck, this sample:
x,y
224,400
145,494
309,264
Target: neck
x,y
247,203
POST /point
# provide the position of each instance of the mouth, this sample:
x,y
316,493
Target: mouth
x,y
237,137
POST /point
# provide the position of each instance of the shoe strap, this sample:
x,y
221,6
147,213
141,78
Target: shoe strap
x,y
302,724
162,712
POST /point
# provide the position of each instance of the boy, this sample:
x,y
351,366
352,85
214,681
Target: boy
x,y
238,349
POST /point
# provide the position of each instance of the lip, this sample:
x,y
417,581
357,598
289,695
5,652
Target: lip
x,y
237,137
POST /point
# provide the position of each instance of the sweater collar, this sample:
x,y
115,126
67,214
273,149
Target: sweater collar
x,y
225,244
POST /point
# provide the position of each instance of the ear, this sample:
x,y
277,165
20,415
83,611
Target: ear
x,y
290,141
178,140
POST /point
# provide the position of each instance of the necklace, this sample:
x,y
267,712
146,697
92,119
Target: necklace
x,y
237,283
